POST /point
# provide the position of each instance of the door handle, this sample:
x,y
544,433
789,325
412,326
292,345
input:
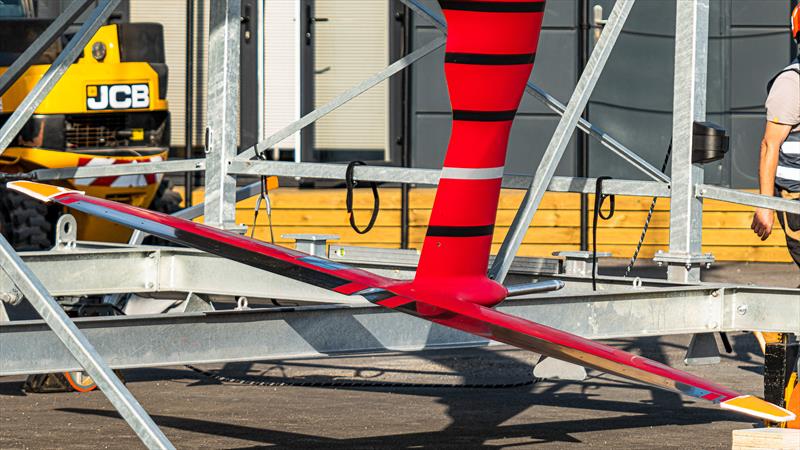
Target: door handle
x,y
599,22
310,21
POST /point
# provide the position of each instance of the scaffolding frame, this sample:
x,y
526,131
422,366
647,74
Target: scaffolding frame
x,y
716,307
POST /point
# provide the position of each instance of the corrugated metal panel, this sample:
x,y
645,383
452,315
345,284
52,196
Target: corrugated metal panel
x,y
353,44
172,15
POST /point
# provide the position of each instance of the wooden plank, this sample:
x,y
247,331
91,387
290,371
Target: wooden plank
x,y
556,225
422,198
766,438
621,236
550,218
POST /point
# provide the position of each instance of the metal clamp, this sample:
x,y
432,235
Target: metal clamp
x,y
66,233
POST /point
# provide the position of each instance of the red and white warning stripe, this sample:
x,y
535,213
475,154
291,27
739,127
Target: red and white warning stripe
x,y
120,181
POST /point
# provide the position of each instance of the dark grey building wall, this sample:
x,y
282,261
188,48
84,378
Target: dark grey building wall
x,y
748,43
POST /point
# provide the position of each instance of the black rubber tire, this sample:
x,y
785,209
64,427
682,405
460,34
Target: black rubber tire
x,y
24,222
166,200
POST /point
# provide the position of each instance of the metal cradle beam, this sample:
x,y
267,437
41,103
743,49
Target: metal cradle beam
x,y
278,333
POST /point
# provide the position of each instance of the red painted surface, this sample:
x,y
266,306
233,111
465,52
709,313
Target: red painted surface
x,y
452,310
456,266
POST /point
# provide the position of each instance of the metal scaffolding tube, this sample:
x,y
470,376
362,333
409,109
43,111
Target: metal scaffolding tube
x,y
323,331
388,174
223,111
342,98
561,137
689,106
747,198
540,94
55,72
172,166
81,349
53,32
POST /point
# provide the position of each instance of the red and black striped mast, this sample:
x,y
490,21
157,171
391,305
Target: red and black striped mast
x,y
490,51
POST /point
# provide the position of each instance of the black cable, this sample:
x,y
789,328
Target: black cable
x,y
649,217
599,199
263,196
345,383
350,184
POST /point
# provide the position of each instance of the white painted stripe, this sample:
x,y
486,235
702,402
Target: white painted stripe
x,y
788,173
791,148
466,173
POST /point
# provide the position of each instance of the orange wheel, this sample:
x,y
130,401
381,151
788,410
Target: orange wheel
x,y
80,381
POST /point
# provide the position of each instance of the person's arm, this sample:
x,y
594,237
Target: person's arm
x,y
774,135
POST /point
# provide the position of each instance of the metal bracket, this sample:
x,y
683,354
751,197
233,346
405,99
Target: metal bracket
x,y
313,244
193,303
66,233
686,261
579,263
702,350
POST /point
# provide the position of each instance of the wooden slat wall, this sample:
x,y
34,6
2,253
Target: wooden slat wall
x,y
726,226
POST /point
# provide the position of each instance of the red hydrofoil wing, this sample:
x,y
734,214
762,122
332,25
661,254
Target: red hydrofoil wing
x,y
405,297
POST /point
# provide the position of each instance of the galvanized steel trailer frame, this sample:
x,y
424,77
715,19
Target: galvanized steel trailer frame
x,y
622,308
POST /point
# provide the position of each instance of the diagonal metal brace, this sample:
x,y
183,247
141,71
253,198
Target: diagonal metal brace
x,y
81,349
55,72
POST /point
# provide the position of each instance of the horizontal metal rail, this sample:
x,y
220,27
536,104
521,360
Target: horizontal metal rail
x,y
389,174
172,166
259,334
747,198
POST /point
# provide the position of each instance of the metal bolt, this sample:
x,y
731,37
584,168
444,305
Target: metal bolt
x,y
711,325
742,310
715,293
151,255
149,285
688,266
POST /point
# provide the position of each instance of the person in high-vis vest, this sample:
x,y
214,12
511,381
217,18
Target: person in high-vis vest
x,y
779,169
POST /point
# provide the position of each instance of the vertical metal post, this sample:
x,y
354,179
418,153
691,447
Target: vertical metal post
x,y
223,108
188,137
261,57
689,105
55,72
81,349
561,137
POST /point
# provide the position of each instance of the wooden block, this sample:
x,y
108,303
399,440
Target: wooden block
x,y
766,438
